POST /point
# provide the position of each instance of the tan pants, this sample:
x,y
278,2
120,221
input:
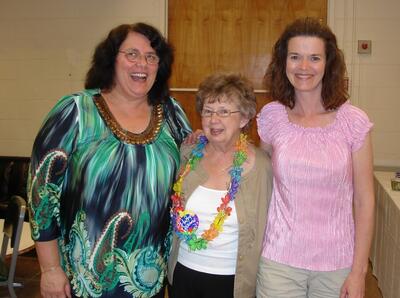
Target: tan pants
x,y
276,280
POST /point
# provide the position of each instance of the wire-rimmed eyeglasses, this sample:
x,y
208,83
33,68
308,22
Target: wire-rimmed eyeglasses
x,y
134,56
223,113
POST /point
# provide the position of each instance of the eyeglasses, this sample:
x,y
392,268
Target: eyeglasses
x,y
134,56
223,113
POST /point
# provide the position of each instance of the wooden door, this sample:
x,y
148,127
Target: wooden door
x,y
228,35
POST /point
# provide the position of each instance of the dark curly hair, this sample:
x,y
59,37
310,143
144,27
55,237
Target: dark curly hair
x,y
102,71
334,91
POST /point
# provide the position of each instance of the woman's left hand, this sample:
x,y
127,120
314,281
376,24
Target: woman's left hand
x,y
192,138
353,286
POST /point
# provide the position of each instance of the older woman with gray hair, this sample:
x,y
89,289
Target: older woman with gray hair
x,y
220,197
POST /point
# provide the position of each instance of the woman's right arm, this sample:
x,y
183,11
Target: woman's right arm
x,y
54,281
51,150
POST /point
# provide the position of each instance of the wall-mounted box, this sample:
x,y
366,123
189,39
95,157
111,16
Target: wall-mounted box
x,y
364,47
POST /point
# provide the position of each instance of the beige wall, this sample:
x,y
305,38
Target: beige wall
x,y
45,51
374,78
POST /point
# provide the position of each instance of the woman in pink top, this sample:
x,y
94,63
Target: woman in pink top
x,y
322,162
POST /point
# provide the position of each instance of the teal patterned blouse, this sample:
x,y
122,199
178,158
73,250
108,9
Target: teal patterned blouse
x,y
103,193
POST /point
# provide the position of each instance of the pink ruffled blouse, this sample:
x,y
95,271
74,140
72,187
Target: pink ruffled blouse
x,y
310,223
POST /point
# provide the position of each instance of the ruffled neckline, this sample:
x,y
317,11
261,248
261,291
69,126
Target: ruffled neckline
x,y
316,129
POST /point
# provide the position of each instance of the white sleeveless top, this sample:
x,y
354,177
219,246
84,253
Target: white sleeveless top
x,y
221,253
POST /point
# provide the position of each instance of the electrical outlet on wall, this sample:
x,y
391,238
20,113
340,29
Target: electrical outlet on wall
x,y
364,47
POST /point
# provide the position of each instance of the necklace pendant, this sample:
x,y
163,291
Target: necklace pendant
x,y
187,222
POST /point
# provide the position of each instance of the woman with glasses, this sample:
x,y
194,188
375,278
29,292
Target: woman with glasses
x,y
102,169
220,198
322,160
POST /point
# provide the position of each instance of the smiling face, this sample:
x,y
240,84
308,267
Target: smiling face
x,y
305,63
223,131
135,79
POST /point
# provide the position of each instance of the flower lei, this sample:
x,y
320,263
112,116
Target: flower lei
x,y
185,223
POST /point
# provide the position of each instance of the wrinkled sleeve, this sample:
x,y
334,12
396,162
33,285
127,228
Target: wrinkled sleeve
x,y
178,122
49,161
358,126
267,121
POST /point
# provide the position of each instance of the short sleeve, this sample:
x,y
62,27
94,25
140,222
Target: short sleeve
x,y
177,121
269,120
356,125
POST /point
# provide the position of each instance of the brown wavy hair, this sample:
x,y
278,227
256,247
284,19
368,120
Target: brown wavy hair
x,y
334,87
